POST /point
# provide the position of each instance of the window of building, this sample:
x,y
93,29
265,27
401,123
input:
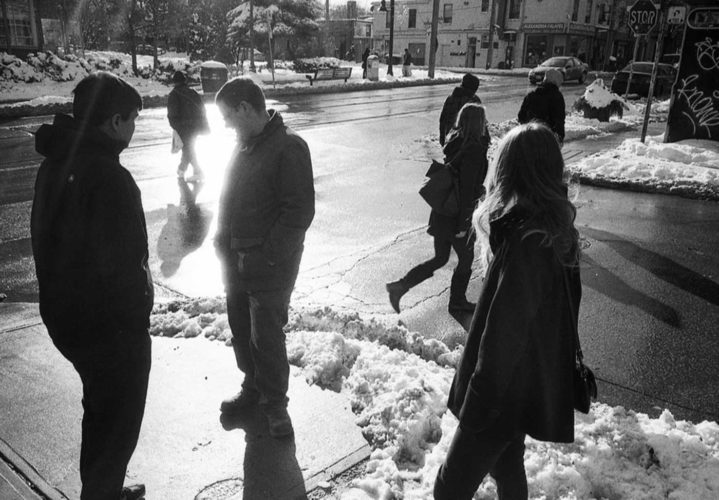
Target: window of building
x,y
575,10
588,16
603,17
386,19
514,8
19,24
485,5
447,13
412,18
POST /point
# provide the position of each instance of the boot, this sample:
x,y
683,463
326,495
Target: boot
x,y
396,289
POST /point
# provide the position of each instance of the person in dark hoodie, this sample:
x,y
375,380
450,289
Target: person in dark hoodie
x,y
89,242
460,96
546,104
266,206
187,117
466,152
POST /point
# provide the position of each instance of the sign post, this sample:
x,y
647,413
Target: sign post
x,y
657,55
631,66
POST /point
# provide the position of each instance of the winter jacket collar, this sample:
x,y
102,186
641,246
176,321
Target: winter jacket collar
x,y
501,228
66,135
461,92
273,125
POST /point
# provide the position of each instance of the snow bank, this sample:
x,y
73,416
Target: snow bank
x,y
689,168
398,393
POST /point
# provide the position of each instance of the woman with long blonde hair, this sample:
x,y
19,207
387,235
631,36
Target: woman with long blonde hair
x,y
515,377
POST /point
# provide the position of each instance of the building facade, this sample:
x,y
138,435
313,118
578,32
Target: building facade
x,y
526,31
20,29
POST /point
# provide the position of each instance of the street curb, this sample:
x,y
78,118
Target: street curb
x,y
28,472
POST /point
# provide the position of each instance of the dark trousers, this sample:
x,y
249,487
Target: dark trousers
x,y
464,248
114,375
189,155
257,319
472,456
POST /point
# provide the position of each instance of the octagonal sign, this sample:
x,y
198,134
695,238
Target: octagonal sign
x,y
643,17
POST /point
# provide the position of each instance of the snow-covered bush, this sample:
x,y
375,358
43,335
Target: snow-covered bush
x,y
311,65
600,103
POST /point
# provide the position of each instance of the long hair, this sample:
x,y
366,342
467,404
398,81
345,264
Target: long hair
x,y
471,123
528,171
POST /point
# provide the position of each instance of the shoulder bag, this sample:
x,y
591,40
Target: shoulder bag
x,y
441,189
585,385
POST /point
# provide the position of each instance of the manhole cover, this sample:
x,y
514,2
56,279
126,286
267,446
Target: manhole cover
x,y
227,489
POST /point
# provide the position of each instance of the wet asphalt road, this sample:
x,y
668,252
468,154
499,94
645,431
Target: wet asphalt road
x,y
649,313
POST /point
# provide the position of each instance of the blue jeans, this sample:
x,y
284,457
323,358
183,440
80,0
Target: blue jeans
x,y
257,319
473,455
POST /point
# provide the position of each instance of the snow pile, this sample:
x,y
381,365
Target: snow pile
x,y
600,103
688,168
400,402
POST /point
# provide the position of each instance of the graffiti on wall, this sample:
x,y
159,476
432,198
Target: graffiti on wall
x,y
694,109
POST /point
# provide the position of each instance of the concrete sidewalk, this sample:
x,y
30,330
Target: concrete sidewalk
x,y
185,450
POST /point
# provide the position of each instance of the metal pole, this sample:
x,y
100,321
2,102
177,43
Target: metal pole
x,y
490,50
391,37
657,54
433,38
631,66
252,36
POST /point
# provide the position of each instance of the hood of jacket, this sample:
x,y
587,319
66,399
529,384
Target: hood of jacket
x,y
273,125
461,92
67,135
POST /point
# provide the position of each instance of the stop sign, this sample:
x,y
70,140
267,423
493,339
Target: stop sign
x,y
643,17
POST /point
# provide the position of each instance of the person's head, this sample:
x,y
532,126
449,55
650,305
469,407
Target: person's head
x,y
553,76
178,78
470,82
242,105
471,122
528,171
107,102
406,50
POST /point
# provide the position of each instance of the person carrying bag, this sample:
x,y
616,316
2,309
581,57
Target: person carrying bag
x,y
452,190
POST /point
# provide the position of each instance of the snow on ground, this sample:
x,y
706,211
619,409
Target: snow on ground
x,y
690,168
397,383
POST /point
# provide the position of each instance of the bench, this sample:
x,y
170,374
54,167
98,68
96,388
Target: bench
x,y
330,74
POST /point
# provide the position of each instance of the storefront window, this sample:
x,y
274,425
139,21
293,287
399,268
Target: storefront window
x,y
536,50
19,22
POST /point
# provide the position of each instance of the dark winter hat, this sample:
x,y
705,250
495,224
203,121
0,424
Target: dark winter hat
x,y
470,82
178,77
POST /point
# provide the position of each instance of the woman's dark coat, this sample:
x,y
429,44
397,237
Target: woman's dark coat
x,y
546,104
452,105
470,162
516,371
186,112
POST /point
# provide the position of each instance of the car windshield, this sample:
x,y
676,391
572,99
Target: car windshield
x,y
555,62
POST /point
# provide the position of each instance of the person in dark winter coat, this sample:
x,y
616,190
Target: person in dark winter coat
x,y
407,63
187,117
460,96
546,104
515,376
89,242
365,55
266,206
466,152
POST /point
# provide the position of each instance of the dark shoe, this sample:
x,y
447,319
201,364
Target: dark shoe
x,y
396,289
133,492
279,422
461,305
240,402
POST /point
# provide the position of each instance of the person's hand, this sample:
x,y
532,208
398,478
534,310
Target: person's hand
x,y
461,234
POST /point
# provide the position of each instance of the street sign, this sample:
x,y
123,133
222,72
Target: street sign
x,y
676,14
643,17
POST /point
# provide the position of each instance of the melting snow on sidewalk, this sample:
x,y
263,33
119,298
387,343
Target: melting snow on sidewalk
x,y
398,382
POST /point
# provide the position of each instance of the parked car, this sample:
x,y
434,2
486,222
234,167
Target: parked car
x,y
148,49
570,67
666,74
